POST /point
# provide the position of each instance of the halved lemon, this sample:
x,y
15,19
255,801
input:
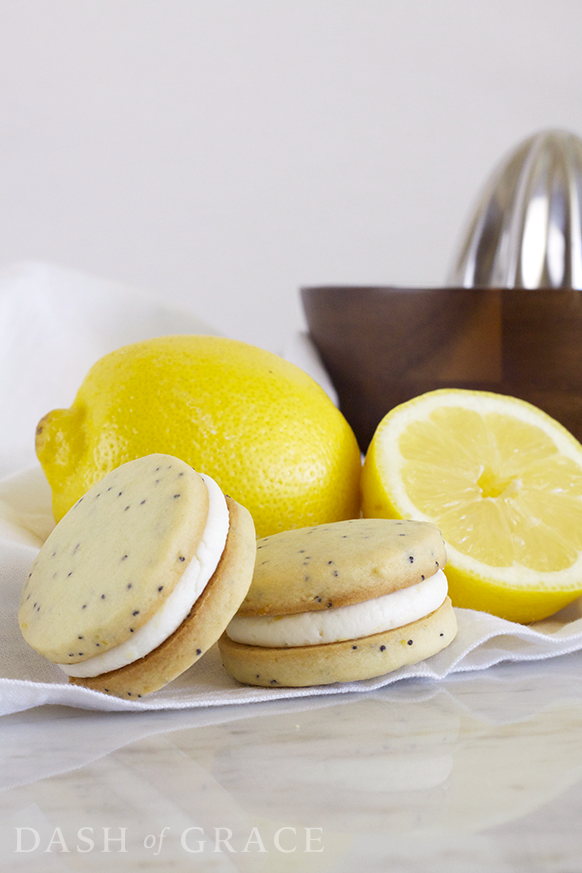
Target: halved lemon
x,y
503,482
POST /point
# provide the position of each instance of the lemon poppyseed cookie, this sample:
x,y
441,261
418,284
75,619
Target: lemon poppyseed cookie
x,y
340,602
139,578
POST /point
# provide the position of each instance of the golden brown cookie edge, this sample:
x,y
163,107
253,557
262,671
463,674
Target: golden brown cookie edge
x,y
347,661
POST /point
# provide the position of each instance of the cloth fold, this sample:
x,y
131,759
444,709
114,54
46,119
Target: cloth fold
x,y
54,324
28,680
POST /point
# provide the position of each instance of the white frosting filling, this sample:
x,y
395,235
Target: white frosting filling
x,y
340,623
178,604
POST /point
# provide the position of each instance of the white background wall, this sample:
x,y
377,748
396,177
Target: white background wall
x,y
226,152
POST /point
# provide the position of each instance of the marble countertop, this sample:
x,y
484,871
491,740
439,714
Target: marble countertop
x,y
480,773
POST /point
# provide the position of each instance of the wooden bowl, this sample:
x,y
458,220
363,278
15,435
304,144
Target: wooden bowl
x,y
382,346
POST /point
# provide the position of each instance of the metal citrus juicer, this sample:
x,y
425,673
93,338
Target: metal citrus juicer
x,y
508,318
525,239
526,231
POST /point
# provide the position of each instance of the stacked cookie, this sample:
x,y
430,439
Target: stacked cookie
x,y
139,578
154,565
341,602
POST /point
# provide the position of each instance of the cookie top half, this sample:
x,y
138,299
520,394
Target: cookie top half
x,y
114,559
341,563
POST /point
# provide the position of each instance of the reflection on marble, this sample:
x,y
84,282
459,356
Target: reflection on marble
x,y
478,774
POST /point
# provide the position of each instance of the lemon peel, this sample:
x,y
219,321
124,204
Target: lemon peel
x,y
257,424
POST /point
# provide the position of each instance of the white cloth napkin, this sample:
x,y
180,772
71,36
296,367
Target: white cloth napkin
x,y
53,325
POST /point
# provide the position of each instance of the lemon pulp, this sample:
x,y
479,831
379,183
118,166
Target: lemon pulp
x,y
502,481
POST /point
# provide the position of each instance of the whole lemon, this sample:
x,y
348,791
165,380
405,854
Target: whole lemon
x,y
256,423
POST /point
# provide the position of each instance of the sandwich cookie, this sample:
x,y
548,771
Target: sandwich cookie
x,y
341,602
139,578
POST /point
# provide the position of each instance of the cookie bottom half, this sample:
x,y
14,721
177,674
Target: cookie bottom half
x,y
199,631
347,661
